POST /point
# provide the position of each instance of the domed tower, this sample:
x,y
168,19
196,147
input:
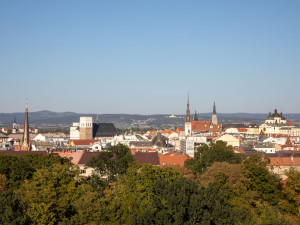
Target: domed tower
x,y
160,141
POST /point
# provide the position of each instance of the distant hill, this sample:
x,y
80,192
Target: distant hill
x,y
47,119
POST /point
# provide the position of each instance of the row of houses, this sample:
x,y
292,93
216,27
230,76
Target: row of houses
x,y
279,162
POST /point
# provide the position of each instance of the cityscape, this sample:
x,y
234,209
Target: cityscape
x,y
150,112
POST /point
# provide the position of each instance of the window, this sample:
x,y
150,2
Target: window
x,y
82,171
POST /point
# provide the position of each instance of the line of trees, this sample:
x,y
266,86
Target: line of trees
x,y
217,186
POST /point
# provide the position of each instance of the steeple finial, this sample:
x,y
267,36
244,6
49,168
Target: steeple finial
x,y
97,121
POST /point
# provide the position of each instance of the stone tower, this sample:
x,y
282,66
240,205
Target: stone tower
x,y
86,128
214,118
195,116
188,122
26,139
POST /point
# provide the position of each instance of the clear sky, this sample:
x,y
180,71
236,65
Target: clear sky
x,y
143,57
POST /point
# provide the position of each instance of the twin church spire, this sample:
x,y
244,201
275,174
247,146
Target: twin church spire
x,y
214,118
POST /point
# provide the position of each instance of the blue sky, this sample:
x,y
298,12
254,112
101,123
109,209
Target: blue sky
x,y
143,57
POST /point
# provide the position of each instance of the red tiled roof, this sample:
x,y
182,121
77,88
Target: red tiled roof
x,y
167,131
7,128
76,156
289,123
83,142
216,128
211,137
179,129
153,131
284,161
172,160
242,130
198,126
239,150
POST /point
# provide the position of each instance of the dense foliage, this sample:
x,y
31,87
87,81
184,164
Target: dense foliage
x,y
208,154
217,187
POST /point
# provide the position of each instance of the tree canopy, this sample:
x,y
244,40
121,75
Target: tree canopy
x,y
221,189
206,155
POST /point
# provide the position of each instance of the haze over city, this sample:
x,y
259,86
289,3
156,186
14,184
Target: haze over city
x,y
143,57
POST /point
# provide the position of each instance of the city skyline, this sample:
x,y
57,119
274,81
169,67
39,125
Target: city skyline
x,y
143,57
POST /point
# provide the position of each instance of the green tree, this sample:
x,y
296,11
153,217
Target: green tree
x,y
152,195
292,191
261,179
206,155
112,162
12,209
223,173
20,168
51,192
15,170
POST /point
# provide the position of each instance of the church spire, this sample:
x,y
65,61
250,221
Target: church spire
x,y
214,108
26,139
214,118
188,117
195,116
97,121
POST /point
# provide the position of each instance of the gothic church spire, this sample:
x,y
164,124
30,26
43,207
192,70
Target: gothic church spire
x,y
26,139
188,117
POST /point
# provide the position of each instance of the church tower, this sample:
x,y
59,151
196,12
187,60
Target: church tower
x,y
195,116
26,139
188,122
214,118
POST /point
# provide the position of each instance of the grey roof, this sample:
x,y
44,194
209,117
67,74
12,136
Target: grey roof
x,y
235,125
160,140
142,143
104,130
278,125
